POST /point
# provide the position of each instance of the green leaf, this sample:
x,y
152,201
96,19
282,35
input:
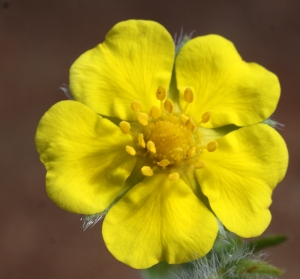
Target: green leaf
x,y
252,268
267,241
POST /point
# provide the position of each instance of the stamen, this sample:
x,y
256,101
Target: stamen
x,y
212,146
188,97
174,176
190,125
168,105
199,165
151,146
136,105
130,150
192,152
184,118
125,127
161,93
142,118
147,171
206,116
141,140
155,112
164,163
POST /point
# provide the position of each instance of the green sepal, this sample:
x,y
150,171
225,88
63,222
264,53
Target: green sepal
x,y
267,241
162,270
252,268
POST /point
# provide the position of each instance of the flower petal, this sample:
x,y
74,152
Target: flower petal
x,y
159,220
239,177
85,157
134,60
236,92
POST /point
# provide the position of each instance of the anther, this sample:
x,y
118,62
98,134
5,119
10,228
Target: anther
x,y
151,146
125,127
155,112
130,150
190,125
168,105
174,176
164,163
136,105
212,146
161,93
142,118
188,95
206,116
141,140
192,152
199,165
147,171
184,118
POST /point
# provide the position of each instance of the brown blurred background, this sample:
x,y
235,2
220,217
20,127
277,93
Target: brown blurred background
x,y
40,39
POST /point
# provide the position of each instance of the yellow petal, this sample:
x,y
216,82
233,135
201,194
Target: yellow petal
x,y
85,157
134,60
238,178
159,220
234,91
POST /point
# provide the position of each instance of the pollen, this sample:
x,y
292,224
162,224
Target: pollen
x,y
168,105
212,146
171,138
199,165
206,116
161,93
190,124
174,176
188,95
155,112
163,163
167,140
151,146
136,105
147,171
142,118
130,150
125,127
141,140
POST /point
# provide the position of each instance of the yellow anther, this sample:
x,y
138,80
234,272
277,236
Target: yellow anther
x,y
151,146
141,140
190,125
212,146
184,118
199,165
174,176
188,95
168,105
130,150
136,105
164,163
206,116
192,152
155,112
161,93
147,171
125,127
142,118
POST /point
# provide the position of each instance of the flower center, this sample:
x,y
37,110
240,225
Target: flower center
x,y
168,140
172,139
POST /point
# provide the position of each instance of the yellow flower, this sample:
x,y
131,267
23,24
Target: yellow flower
x,y
166,149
